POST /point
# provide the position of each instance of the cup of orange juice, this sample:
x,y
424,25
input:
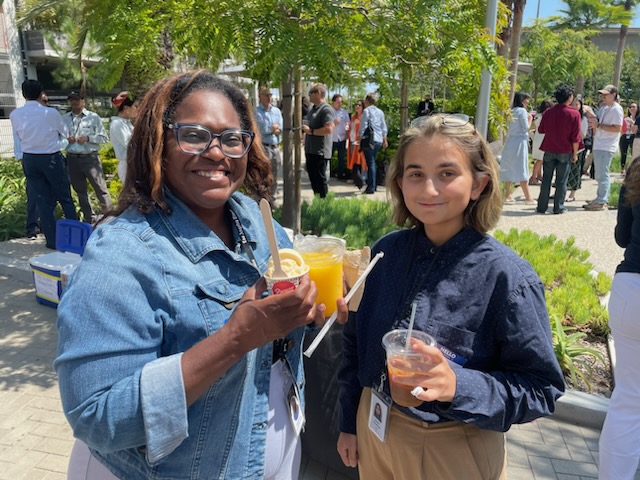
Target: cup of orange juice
x,y
323,256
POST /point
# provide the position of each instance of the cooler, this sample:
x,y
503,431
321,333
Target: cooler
x,y
51,270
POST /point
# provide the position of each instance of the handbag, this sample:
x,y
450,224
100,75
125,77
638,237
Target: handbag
x,y
366,141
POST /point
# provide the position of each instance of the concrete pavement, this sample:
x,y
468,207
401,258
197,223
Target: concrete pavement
x,y
35,440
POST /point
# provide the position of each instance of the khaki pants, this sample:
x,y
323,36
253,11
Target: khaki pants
x,y
415,450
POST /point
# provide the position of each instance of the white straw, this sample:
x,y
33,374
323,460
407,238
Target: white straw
x,y
316,341
410,329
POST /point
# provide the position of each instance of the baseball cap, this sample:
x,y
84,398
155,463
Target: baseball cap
x,y
75,94
609,89
118,99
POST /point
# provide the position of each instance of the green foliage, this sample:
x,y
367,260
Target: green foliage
x,y
614,194
570,353
13,199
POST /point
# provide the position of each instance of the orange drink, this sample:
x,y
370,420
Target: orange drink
x,y
400,393
323,256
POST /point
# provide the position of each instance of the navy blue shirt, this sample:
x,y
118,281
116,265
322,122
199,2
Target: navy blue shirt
x,y
480,301
627,234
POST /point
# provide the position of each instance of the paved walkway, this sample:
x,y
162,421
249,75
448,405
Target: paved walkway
x,y
35,440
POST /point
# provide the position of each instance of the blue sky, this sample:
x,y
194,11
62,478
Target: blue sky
x,y
549,8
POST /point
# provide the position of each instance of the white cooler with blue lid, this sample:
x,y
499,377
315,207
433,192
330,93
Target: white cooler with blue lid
x,y
51,270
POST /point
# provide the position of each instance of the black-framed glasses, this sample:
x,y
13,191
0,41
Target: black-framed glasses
x,y
195,139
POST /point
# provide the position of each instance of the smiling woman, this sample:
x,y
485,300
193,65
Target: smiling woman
x,y
192,367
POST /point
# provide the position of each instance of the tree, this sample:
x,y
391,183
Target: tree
x,y
622,39
590,15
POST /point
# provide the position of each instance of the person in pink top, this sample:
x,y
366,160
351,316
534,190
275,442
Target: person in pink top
x,y
561,126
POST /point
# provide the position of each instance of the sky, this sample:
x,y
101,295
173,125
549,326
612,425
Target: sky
x,y
550,8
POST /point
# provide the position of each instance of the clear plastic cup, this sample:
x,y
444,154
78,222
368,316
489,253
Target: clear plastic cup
x,y
323,255
412,363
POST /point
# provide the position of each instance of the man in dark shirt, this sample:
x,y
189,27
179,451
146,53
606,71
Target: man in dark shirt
x,y
561,126
426,106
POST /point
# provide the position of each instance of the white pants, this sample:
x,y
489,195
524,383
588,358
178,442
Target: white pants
x,y
284,449
283,452
620,438
84,466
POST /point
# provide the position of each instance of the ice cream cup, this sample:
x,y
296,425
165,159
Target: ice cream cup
x,y
277,285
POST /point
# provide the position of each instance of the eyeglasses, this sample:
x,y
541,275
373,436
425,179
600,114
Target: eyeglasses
x,y
195,139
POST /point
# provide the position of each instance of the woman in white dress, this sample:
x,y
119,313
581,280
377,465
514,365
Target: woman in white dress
x,y
514,163
121,129
536,153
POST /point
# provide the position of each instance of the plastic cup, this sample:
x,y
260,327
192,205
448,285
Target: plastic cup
x,y
413,363
323,255
277,285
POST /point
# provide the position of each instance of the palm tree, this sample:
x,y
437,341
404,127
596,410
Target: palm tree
x,y
622,39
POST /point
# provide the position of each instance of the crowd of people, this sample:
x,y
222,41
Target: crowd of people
x,y
41,133
570,139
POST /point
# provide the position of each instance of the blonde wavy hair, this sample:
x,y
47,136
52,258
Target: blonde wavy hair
x,y
482,214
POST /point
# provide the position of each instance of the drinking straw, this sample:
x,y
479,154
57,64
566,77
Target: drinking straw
x,y
316,341
410,329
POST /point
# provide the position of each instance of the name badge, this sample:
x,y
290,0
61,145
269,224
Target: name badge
x,y
379,414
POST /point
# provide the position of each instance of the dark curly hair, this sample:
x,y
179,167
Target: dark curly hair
x,y
143,188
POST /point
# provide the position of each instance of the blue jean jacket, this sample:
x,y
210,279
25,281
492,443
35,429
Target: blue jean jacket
x,y
148,288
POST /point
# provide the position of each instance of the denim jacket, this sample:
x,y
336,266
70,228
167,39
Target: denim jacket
x,y
149,287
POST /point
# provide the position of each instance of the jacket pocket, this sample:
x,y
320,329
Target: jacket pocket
x,y
216,302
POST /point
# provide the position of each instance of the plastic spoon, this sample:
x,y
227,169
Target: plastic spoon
x,y
267,218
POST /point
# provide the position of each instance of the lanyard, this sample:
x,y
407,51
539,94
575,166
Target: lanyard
x,y
243,240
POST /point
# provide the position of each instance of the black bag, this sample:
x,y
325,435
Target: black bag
x,y
588,142
366,141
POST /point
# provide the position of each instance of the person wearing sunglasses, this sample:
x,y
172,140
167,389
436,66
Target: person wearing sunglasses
x,y
189,370
318,139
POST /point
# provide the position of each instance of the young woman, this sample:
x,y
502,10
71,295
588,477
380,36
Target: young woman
x,y
620,438
537,154
574,182
121,129
355,158
188,371
514,161
494,364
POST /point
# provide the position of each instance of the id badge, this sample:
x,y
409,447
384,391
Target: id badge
x,y
379,413
292,397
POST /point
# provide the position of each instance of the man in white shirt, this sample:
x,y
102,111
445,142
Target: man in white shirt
x,y
36,134
269,120
373,116
607,127
86,133
339,138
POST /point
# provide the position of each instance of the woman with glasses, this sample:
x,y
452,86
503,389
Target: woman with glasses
x,y
514,161
355,158
172,362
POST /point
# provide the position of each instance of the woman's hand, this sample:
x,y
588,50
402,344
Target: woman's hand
x,y
260,320
348,449
438,383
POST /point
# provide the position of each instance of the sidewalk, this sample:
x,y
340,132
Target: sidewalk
x,y
35,440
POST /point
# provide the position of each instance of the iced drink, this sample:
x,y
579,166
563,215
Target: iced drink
x,y
413,363
324,258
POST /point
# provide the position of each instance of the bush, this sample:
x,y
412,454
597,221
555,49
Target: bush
x,y
13,200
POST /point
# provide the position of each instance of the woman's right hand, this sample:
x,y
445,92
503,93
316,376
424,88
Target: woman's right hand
x,y
348,449
260,320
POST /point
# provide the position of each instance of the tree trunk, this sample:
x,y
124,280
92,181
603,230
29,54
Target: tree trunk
x,y
518,13
404,98
622,39
505,35
291,146
580,85
288,202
